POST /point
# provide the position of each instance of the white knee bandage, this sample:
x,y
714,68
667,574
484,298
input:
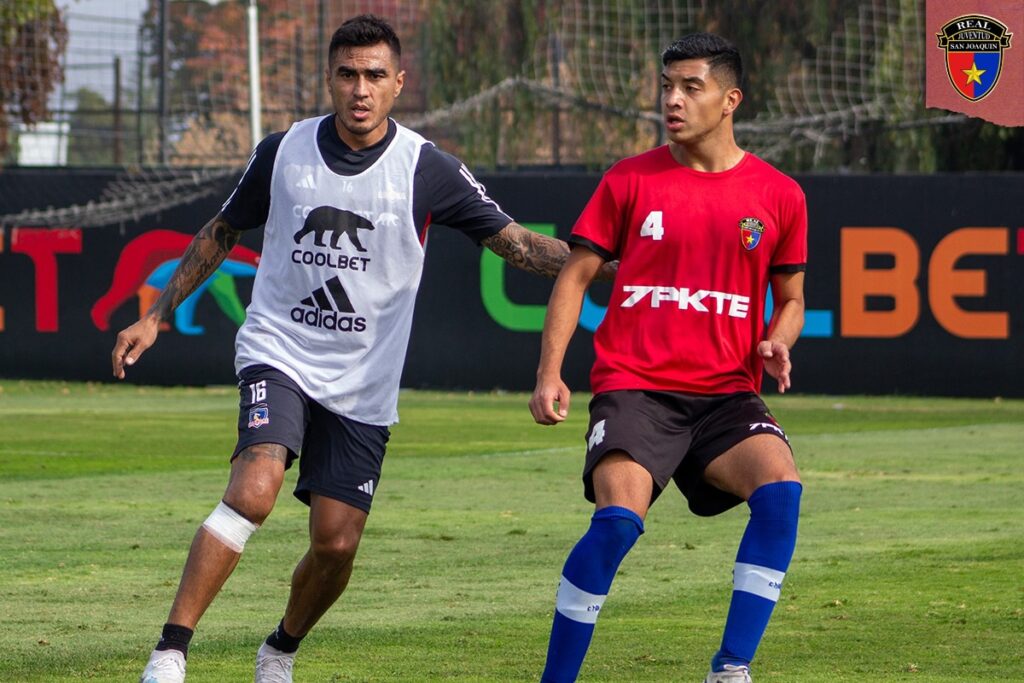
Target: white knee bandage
x,y
230,528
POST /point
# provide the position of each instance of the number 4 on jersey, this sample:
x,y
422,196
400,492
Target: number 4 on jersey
x,y
652,226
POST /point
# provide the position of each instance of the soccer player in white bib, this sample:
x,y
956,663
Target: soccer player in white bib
x,y
346,200
701,228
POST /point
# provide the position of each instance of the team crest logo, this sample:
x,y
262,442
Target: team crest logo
x,y
259,416
974,47
750,232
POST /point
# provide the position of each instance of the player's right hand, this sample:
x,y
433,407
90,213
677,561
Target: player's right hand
x,y
545,397
132,342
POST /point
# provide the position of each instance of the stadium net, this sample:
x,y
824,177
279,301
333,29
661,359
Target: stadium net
x,y
500,83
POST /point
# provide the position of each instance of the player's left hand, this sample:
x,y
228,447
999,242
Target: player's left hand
x,y
776,362
550,392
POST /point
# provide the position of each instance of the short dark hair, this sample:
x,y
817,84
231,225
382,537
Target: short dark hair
x,y
363,31
721,54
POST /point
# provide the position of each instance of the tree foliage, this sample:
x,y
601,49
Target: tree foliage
x,y
33,37
614,52
91,131
208,72
478,72
471,47
783,38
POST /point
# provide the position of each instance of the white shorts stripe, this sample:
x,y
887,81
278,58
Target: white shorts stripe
x,y
762,581
577,604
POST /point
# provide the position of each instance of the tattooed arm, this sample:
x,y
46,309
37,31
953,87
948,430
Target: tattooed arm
x,y
536,253
203,256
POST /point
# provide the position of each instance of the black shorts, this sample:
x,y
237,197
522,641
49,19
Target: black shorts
x,y
339,458
675,436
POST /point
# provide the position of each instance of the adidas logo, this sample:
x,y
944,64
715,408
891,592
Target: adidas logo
x,y
337,301
324,305
367,488
307,182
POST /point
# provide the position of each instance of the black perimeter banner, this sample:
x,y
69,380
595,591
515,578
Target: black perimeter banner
x,y
912,287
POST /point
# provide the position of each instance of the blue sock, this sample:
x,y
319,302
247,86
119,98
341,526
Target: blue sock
x,y
586,578
761,564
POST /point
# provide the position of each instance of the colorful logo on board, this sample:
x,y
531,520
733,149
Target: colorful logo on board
x,y
974,46
145,266
750,233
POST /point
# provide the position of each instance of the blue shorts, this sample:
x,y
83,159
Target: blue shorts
x,y
675,436
338,457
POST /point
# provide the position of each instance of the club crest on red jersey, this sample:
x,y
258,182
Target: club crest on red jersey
x,y
974,47
750,232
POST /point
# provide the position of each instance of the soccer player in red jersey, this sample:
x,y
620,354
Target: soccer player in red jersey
x,y
701,228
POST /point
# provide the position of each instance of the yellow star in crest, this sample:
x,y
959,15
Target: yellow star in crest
x,y
973,74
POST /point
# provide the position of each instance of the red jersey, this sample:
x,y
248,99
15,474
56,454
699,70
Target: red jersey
x,y
696,252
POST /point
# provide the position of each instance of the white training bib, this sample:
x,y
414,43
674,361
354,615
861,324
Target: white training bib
x,y
332,302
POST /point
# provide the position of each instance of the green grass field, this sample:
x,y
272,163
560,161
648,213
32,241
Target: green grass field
x,y
909,567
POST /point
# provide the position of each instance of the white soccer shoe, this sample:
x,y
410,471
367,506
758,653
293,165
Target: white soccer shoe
x,y
164,666
732,674
273,666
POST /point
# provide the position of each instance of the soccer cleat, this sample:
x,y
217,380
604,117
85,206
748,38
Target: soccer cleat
x,y
273,666
731,674
164,666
